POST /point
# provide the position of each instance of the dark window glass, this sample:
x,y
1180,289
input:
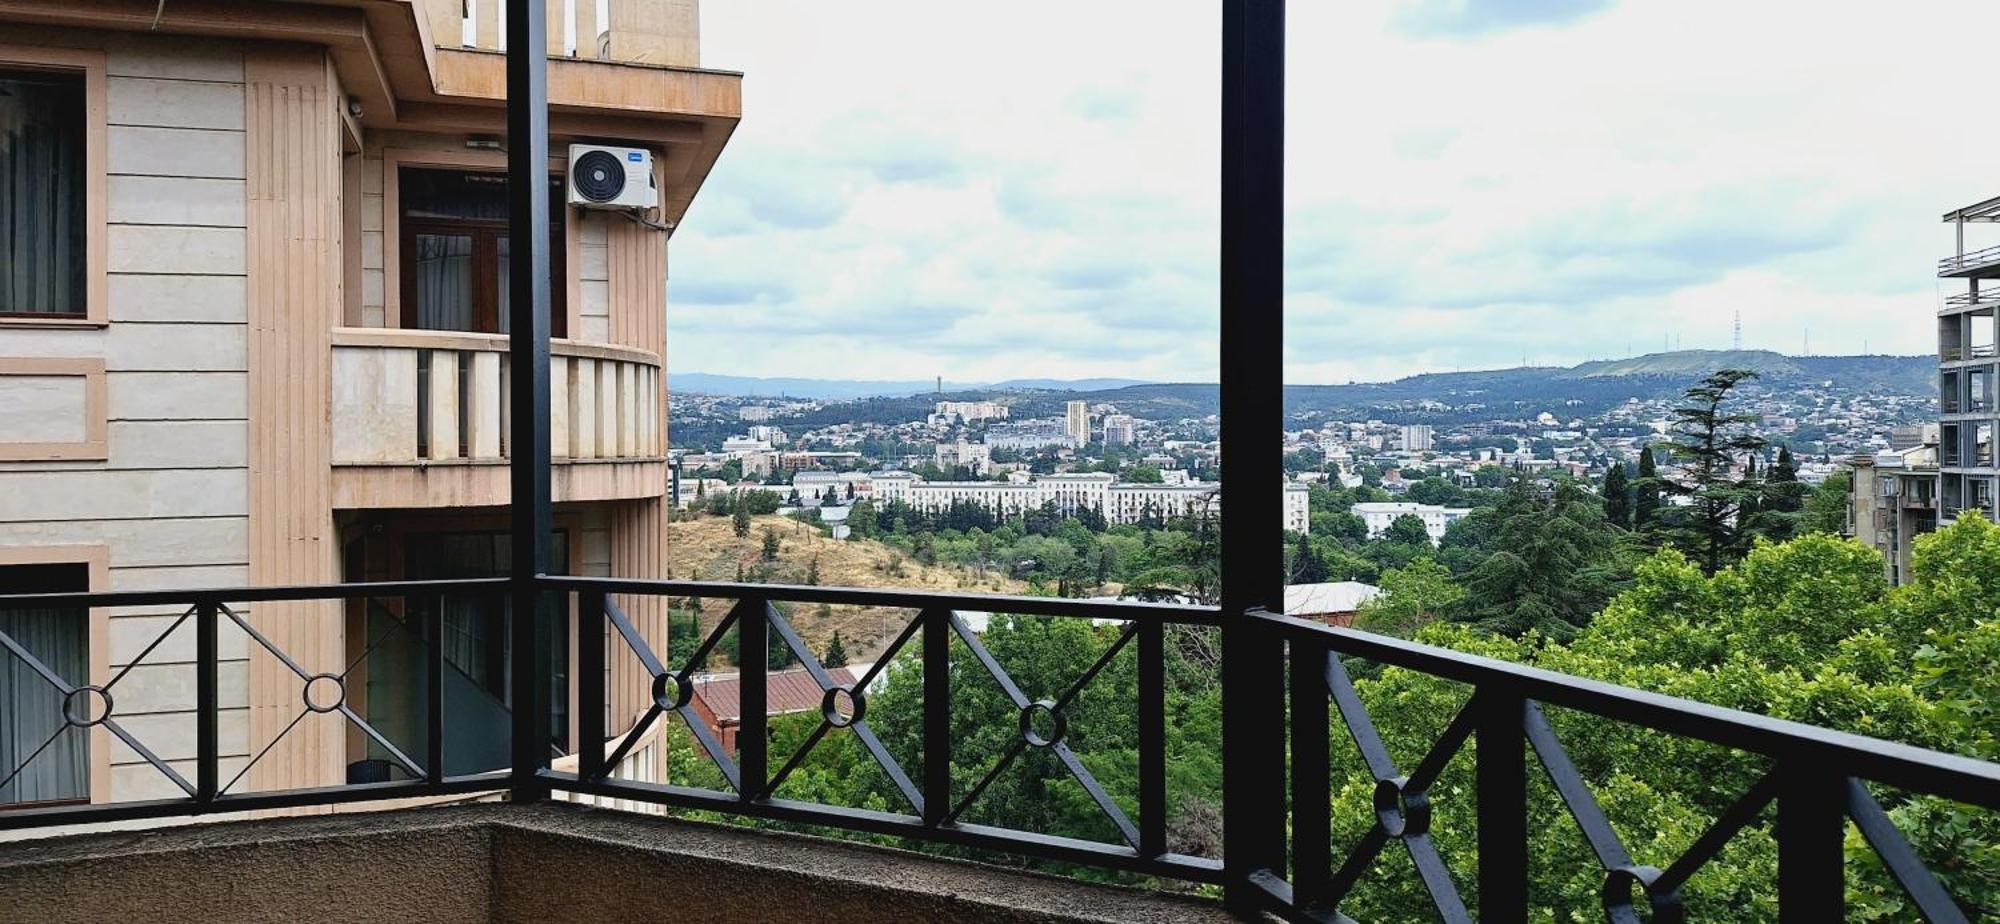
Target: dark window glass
x,y
42,230
454,240
42,757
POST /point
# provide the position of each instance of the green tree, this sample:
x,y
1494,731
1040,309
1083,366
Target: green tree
x,y
1617,497
812,571
1708,441
1551,563
836,652
1411,598
861,520
1144,474
771,544
1307,566
1408,529
1826,507
1806,630
740,519
1646,493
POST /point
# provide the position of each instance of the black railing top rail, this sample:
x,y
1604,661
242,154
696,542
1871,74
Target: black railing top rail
x,y
1122,610
266,594
1921,770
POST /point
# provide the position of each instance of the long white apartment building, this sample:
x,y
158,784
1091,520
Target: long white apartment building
x,y
1379,515
1119,501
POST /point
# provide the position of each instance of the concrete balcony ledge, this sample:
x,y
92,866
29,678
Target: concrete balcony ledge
x,y
555,862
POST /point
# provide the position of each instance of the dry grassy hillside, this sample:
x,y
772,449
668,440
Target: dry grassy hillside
x,y
708,549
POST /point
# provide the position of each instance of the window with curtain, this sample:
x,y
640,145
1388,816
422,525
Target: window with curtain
x,y
454,251
42,757
42,231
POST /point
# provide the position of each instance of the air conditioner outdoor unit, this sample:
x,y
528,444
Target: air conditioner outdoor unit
x,y
602,177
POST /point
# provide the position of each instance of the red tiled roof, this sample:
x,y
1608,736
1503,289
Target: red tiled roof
x,y
784,692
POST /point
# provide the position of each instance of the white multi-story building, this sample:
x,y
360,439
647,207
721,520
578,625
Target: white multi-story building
x,y
1418,438
1118,501
753,412
814,486
1119,430
968,411
1437,519
1076,424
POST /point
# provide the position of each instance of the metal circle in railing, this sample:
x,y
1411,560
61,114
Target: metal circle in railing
x,y
1618,895
1401,812
1042,724
671,691
316,691
830,706
77,706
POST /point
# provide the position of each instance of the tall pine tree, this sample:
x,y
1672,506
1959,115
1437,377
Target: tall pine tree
x,y
1646,493
1708,441
1617,497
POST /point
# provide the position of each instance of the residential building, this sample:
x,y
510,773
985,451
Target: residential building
x,y
1894,500
1380,515
1119,430
1418,438
253,331
1076,423
1118,501
1028,434
1968,364
948,412
975,457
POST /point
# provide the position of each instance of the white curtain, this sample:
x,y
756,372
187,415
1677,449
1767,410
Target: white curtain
x,y
41,194
31,708
443,277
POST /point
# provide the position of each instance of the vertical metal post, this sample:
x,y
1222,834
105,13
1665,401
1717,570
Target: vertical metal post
x,y
590,625
528,353
208,704
937,715
1152,739
1253,233
434,691
1312,797
1501,778
753,639
1812,824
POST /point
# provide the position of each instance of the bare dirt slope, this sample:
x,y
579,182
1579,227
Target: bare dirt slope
x,y
708,549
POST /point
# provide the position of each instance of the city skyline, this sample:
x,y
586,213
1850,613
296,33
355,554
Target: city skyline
x,y
1448,218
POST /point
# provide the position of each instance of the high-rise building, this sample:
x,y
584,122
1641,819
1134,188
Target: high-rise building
x,y
1077,423
1418,438
1119,430
1968,365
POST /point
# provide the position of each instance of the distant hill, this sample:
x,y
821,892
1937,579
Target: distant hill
x,y
850,389
1593,386
1585,388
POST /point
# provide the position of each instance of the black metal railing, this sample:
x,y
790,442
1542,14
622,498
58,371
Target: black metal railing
x,y
1818,779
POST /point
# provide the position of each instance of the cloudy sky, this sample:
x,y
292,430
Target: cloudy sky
x,y
991,191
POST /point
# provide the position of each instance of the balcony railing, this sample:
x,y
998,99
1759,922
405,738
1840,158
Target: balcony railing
x,y
1818,780
407,397
1972,262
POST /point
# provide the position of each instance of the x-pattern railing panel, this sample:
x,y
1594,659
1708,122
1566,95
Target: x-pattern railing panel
x,y
752,672
77,719
1403,808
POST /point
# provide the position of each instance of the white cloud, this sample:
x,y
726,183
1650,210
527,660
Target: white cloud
x,y
925,189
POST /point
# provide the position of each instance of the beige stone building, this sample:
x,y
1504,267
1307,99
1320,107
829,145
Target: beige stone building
x,y
252,281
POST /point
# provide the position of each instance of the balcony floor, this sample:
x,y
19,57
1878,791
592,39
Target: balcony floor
x,y
554,862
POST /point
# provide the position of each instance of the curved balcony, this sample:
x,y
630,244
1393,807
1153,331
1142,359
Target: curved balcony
x,y
419,419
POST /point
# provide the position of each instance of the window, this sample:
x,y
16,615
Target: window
x,y
42,757
43,224
455,260
477,652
